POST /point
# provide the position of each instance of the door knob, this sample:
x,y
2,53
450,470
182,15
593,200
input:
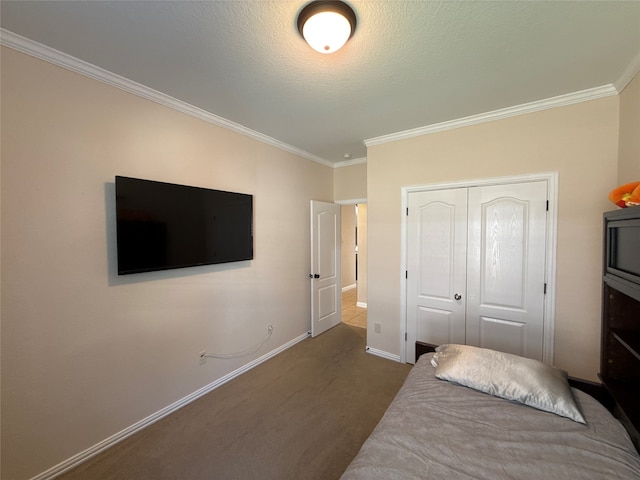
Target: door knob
x,y
457,296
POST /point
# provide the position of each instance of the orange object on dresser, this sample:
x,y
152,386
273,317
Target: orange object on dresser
x,y
627,195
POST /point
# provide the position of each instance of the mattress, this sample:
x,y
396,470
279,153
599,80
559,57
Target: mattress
x,y
436,429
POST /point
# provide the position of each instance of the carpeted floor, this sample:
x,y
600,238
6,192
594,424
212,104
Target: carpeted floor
x,y
301,415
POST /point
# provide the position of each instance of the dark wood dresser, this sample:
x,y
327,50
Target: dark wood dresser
x,y
620,354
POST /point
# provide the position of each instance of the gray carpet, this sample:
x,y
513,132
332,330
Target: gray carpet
x,y
301,415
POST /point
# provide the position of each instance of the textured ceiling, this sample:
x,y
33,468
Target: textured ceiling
x,y
410,64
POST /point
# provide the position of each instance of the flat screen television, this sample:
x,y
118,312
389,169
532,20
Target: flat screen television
x,y
162,226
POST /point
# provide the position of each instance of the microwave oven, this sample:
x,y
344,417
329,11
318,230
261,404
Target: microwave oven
x,y
622,244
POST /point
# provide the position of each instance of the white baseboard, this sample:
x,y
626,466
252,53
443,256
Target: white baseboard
x,y
361,304
383,354
81,457
349,287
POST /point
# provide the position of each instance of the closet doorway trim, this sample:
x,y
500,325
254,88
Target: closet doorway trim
x,y
551,247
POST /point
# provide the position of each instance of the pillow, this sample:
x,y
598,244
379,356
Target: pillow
x,y
520,379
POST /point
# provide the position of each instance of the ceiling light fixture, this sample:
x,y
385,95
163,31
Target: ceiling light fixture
x,y
326,25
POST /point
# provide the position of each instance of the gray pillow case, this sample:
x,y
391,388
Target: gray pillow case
x,y
520,379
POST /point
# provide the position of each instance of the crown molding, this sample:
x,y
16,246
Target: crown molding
x,y
48,54
628,73
349,163
559,101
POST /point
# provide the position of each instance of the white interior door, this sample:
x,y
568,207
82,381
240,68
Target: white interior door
x,y
326,285
476,267
506,268
436,259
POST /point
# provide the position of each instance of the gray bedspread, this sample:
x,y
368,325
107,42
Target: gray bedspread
x,y
435,429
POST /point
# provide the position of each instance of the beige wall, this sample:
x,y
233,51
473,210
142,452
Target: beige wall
x,y
85,353
350,183
578,141
629,150
348,250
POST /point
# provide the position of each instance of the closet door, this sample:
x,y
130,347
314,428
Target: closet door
x,y
506,268
436,275
476,267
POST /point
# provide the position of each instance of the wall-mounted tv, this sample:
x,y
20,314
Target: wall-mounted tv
x,y
162,226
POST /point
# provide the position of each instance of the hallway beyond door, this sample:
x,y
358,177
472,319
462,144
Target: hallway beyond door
x,y
351,313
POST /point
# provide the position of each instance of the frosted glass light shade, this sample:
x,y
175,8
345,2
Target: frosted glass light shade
x,y
326,32
326,25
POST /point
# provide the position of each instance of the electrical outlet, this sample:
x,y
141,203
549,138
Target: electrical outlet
x,y
377,327
269,329
203,359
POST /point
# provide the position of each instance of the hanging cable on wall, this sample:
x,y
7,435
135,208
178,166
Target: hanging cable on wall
x,y
243,353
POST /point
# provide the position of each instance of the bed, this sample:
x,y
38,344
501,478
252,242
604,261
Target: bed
x,y
441,429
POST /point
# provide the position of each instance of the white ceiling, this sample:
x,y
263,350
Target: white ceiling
x,y
410,64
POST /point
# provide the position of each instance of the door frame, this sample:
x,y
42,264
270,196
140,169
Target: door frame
x,y
356,201
551,178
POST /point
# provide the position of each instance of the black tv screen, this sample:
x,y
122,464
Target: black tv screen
x,y
162,226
